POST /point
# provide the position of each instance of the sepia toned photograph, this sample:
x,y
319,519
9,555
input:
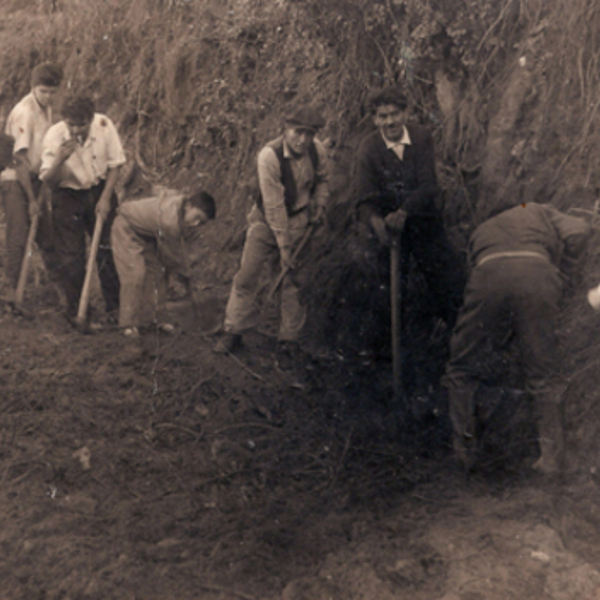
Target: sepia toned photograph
x,y
299,300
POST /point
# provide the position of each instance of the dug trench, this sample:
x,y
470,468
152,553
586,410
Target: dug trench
x,y
161,470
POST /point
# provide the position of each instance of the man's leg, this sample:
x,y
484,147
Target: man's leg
x,y
69,228
482,322
154,291
293,311
128,251
536,318
16,208
107,272
260,247
549,407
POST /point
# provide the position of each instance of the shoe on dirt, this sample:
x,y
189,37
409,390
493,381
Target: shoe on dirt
x,y
131,332
229,343
166,328
288,355
19,311
465,450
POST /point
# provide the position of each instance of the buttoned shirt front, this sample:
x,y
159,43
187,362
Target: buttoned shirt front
x,y
90,162
28,123
398,147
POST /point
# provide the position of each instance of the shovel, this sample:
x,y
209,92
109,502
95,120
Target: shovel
x,y
22,282
20,291
395,300
297,251
84,300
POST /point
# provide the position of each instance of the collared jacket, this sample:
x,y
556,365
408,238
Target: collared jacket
x,y
385,183
157,220
532,228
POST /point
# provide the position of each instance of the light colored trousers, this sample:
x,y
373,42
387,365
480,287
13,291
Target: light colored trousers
x,y
260,252
142,276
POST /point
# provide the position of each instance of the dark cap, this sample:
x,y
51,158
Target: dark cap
x,y
7,145
48,74
308,117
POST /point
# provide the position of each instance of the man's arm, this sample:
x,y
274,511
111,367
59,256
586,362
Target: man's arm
x,y
115,159
53,157
368,191
273,195
23,171
103,206
419,200
321,191
575,234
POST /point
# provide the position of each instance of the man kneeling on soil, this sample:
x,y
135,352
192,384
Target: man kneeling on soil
x,y
293,180
150,238
521,259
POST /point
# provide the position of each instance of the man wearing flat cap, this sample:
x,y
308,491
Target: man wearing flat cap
x,y
293,182
27,123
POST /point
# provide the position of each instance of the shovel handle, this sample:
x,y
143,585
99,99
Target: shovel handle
x,y
20,291
395,300
285,270
84,299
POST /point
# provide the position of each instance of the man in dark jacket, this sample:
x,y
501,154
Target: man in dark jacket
x,y
397,192
521,259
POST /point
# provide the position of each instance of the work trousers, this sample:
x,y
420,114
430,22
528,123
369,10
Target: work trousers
x,y
73,214
506,300
424,238
16,209
142,276
260,251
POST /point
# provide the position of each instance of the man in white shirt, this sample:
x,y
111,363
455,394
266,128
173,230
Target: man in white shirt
x,y
27,124
81,158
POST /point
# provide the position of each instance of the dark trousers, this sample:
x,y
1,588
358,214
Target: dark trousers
x,y
432,279
16,208
73,213
424,239
506,300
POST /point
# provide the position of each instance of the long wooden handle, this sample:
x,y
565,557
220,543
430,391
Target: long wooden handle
x,y
20,291
89,269
395,300
284,271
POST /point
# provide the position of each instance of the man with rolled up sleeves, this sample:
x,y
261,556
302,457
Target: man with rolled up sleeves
x,y
81,158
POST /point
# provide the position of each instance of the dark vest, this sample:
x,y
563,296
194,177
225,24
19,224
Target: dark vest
x,y
290,191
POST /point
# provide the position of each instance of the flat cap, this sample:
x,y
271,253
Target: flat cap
x,y
48,73
7,144
306,116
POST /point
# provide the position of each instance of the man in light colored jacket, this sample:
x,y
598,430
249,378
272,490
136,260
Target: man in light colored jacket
x,y
150,238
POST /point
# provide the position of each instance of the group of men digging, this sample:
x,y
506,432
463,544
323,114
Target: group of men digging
x,y
520,257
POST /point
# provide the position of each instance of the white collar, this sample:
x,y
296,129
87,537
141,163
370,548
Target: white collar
x,y
404,140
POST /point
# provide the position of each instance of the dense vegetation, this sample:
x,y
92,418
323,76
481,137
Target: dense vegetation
x,y
511,87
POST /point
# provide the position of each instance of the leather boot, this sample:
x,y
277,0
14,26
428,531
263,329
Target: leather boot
x,y
464,424
551,434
